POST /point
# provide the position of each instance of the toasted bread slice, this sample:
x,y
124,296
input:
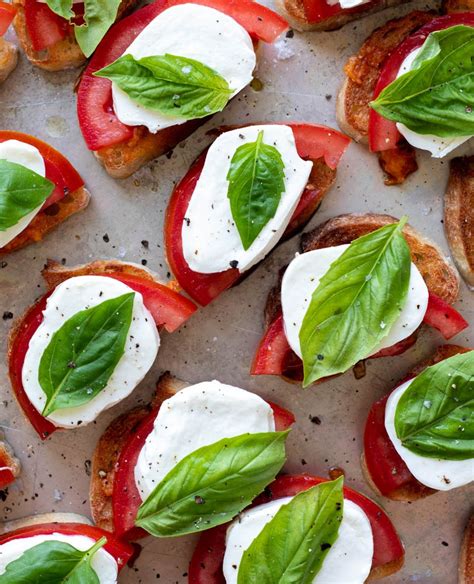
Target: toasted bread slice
x,y
466,558
8,58
459,215
440,277
48,219
64,54
109,448
8,460
417,490
9,526
293,11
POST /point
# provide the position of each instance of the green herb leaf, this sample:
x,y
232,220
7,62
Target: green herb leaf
x,y
84,352
21,191
435,415
211,485
437,95
356,303
292,546
61,7
171,85
256,182
53,562
99,16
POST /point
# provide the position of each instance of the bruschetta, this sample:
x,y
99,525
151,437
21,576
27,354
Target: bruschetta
x,y
459,215
302,524
221,221
8,51
40,190
189,59
318,320
57,547
86,343
388,83
466,557
55,37
148,472
403,460
10,467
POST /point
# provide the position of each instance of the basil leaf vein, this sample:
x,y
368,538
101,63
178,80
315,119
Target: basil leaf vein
x,y
83,353
437,95
212,484
21,191
356,303
169,84
292,546
435,415
256,182
53,562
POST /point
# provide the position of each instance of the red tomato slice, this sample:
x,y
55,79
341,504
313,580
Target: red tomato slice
x,y
121,551
168,308
312,142
97,120
387,469
126,499
7,14
320,10
206,562
443,317
398,348
44,27
383,133
58,168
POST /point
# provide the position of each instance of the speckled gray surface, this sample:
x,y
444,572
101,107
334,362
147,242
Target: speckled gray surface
x,y
300,78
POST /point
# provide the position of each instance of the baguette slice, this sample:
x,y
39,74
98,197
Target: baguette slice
x,y
294,12
459,215
466,558
49,219
109,448
64,54
417,490
8,58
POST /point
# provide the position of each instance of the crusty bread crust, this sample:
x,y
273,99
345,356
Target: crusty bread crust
x,y
293,10
466,557
417,490
66,53
459,215
8,58
440,277
47,220
109,448
9,526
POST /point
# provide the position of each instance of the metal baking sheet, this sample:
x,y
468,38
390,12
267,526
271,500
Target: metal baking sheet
x,y
299,78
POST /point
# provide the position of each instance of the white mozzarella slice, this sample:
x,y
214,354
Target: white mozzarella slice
x,y
102,562
141,347
347,3
302,277
30,157
348,561
439,147
210,238
198,416
196,32
435,473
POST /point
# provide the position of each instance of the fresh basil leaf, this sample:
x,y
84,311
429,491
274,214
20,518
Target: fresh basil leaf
x,y
256,182
62,7
84,352
356,303
53,562
291,547
435,415
99,16
21,191
174,86
437,95
212,484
